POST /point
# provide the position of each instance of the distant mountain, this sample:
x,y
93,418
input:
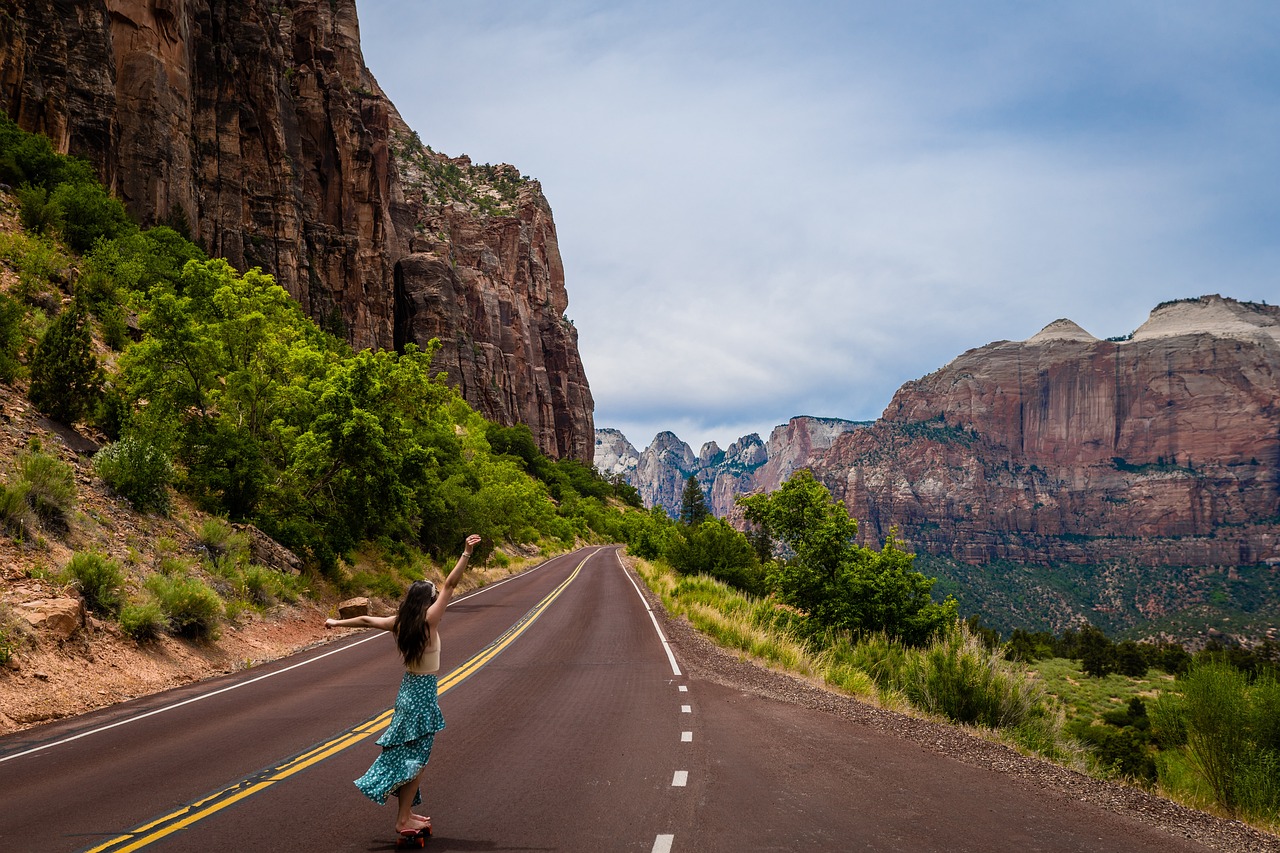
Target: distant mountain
x,y
1129,482
659,473
1163,448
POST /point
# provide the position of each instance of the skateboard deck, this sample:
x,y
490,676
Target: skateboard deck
x,y
413,838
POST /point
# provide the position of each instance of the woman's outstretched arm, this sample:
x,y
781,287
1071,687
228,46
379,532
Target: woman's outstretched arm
x,y
382,623
451,582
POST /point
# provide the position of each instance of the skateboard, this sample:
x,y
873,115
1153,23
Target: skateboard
x,y
414,838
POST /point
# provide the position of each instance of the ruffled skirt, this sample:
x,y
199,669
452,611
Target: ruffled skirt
x,y
406,744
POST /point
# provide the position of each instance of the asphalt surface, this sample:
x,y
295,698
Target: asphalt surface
x,y
577,735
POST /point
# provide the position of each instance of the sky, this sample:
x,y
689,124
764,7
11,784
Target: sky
x,y
772,209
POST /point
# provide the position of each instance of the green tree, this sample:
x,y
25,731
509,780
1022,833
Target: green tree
x,y
65,377
89,213
838,583
715,548
1096,652
693,503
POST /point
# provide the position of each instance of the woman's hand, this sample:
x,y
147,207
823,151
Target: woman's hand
x,y
331,623
472,541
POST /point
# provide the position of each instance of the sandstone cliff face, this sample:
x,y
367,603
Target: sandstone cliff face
x,y
615,456
256,125
1163,449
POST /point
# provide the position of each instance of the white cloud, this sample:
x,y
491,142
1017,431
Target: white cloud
x,y
767,211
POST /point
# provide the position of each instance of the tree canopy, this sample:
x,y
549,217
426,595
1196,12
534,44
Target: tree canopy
x,y
838,583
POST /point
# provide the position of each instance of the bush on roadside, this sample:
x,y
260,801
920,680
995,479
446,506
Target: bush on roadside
x,y
1229,730
958,678
99,580
264,586
191,607
51,484
138,471
143,621
10,338
16,517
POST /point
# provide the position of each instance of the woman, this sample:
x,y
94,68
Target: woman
x,y
406,744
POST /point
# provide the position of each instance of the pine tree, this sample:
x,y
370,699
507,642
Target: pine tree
x,y
693,504
65,378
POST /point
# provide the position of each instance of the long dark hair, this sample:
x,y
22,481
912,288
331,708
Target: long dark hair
x,y
411,628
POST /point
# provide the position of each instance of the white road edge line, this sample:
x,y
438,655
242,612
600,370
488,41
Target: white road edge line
x,y
662,844
681,779
240,684
675,668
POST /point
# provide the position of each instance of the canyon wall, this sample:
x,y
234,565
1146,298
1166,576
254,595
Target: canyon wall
x,y
1161,449
256,128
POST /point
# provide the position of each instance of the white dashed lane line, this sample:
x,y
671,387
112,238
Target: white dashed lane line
x,y
681,779
662,844
686,737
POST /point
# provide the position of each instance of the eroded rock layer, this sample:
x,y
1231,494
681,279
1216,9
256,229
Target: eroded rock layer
x,y
1163,449
257,126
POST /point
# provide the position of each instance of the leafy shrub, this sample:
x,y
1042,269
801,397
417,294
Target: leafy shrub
x,y
838,583
39,214
65,378
29,158
958,678
1230,732
136,470
264,586
10,338
113,412
191,607
51,482
99,581
89,213
221,538
7,645
16,517
143,621
715,548
11,634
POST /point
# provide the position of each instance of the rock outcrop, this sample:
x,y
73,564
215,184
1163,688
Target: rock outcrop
x,y
1162,449
280,150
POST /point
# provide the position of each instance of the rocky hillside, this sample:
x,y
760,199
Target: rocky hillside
x,y
281,151
660,472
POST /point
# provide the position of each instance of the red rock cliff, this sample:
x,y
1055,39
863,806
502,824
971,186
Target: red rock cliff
x,y
1164,448
258,126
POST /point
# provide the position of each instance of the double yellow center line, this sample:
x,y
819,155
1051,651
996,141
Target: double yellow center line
x,y
153,831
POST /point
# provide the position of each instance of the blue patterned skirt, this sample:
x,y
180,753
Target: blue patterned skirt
x,y
406,744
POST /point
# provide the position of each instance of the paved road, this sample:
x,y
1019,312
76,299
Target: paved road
x,y
576,734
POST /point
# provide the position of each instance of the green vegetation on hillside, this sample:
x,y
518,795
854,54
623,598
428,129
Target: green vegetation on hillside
x,y
212,383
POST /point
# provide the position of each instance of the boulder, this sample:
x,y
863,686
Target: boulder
x,y
353,607
59,618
